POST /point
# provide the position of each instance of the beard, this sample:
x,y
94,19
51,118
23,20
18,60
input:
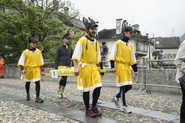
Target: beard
x,y
92,34
32,48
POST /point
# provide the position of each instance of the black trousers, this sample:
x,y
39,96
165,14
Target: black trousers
x,y
123,90
37,88
63,81
95,97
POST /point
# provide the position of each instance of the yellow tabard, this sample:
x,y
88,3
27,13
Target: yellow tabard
x,y
32,74
123,74
89,77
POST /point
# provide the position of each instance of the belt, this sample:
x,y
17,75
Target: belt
x,y
84,64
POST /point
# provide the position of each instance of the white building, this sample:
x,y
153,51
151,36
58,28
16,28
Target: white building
x,y
140,43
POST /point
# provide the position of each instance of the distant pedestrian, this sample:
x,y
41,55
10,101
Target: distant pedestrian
x,y
86,56
31,64
63,61
180,64
123,54
2,66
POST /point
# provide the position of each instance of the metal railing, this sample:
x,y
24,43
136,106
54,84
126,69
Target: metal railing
x,y
162,64
143,82
159,73
148,78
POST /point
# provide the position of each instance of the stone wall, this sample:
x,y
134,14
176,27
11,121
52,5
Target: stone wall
x,y
151,79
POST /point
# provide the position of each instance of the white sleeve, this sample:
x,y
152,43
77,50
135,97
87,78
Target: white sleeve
x,y
42,61
78,51
99,55
133,56
21,60
113,53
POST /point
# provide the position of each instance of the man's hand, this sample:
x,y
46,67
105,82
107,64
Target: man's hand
x,y
113,70
76,71
23,71
136,73
43,73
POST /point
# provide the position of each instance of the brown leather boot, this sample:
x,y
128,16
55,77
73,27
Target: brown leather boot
x,y
96,111
90,113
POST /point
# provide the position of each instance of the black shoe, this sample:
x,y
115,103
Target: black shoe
x,y
28,97
39,100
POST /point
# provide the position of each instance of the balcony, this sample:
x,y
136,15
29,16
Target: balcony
x,y
141,52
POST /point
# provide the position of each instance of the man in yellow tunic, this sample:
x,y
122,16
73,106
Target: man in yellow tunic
x,y
30,63
123,54
86,56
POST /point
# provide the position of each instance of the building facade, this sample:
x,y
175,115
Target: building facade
x,y
140,43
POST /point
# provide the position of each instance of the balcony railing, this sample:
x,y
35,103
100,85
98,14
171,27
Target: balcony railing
x,y
141,52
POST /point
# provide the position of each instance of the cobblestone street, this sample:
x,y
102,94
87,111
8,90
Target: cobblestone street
x,y
21,112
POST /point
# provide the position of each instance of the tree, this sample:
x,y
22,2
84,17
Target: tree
x,y
157,56
43,19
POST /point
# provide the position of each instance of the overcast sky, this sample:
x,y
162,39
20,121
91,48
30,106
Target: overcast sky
x,y
164,18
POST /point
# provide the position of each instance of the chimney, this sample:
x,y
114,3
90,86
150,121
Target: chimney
x,y
118,26
137,27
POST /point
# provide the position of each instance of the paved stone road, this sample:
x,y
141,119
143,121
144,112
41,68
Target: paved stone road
x,y
18,112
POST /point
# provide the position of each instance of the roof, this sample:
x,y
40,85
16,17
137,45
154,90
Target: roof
x,y
72,21
166,42
106,33
111,34
78,23
182,38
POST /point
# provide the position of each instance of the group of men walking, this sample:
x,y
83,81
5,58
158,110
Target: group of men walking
x,y
85,58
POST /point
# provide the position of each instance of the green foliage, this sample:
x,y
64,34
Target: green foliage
x,y
41,19
157,55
